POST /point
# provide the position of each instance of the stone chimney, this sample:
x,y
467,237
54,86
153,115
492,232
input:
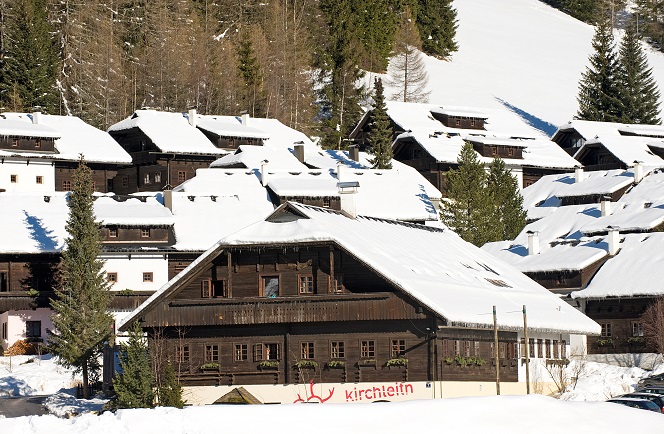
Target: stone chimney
x,y
347,194
638,171
245,119
264,175
354,153
192,117
605,205
168,199
613,240
298,151
533,243
341,168
578,174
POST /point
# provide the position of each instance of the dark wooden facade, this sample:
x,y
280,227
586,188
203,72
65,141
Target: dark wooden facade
x,y
570,140
27,280
596,157
133,235
502,151
36,144
460,121
593,198
230,143
284,314
409,152
102,175
331,202
566,281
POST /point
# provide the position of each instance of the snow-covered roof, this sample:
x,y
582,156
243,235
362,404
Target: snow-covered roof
x,y
593,129
627,149
252,157
132,212
635,271
451,277
22,129
75,137
170,132
460,112
229,126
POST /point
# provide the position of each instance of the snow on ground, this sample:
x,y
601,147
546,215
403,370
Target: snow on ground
x,y
599,381
33,375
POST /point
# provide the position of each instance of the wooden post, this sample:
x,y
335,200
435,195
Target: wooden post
x,y
527,349
496,353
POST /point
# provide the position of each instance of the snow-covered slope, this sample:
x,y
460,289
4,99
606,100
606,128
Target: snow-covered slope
x,y
520,54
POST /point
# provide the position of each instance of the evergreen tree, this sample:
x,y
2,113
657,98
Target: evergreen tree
x,y
468,209
599,89
508,217
437,22
81,318
377,22
250,73
407,74
28,68
380,137
640,96
134,385
170,391
584,10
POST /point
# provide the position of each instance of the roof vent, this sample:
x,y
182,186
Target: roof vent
x,y
605,206
578,174
533,243
192,117
614,240
638,171
47,199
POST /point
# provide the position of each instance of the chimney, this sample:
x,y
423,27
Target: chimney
x,y
340,171
36,115
168,199
264,174
298,151
192,117
614,240
354,153
245,119
638,171
605,206
533,243
578,174
347,193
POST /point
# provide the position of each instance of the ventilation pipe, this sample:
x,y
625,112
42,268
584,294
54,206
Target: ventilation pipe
x,y
264,174
533,243
341,168
298,151
638,171
168,199
578,174
245,119
614,240
354,153
605,206
347,194
192,117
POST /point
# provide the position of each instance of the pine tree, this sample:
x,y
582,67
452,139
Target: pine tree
x,y
584,10
407,74
599,89
377,22
81,318
467,210
170,391
134,385
437,22
380,137
508,217
250,73
28,68
640,96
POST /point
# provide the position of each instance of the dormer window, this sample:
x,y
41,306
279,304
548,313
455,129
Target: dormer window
x,y
145,232
112,232
38,144
14,143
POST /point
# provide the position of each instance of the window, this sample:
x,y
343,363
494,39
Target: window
x,y
66,185
563,349
515,350
219,289
457,349
211,353
146,179
4,283
125,181
547,348
562,279
337,350
494,150
157,177
267,352
14,143
147,277
510,152
33,329
112,232
368,348
326,202
145,232
182,353
39,179
637,329
306,350
606,329
38,144
241,352
338,284
398,348
466,348
205,289
555,349
457,122
502,350
270,286
306,284
540,348
182,176
112,277
472,122
531,347
13,179
477,348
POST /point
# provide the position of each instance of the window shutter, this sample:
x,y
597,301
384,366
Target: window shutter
x,y
205,289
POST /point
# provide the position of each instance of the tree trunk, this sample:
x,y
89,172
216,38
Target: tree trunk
x,y
86,382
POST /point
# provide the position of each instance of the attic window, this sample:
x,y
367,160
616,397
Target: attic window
x,y
498,283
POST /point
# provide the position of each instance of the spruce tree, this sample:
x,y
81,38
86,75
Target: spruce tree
x,y
467,209
251,76
380,137
28,68
170,391
437,22
508,216
640,96
407,74
134,386
599,89
81,318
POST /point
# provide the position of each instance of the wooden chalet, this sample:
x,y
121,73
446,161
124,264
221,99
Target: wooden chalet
x,y
229,132
313,294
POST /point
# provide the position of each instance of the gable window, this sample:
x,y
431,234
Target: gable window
x,y
112,232
306,284
157,177
606,330
211,353
112,277
307,350
326,202
66,185
265,351
147,277
241,352
33,329
37,143
637,329
368,348
182,353
337,350
398,348
39,179
270,286
13,179
182,176
145,232
338,284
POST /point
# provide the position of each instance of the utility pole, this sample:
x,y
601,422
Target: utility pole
x,y
495,346
527,349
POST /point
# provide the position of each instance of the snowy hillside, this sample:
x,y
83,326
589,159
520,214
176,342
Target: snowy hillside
x,y
520,54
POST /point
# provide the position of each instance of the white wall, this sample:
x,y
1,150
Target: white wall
x,y
16,323
537,360
26,176
130,269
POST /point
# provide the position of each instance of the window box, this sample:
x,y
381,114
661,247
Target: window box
x,y
268,365
336,364
636,340
608,342
557,362
306,364
210,367
398,362
367,363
